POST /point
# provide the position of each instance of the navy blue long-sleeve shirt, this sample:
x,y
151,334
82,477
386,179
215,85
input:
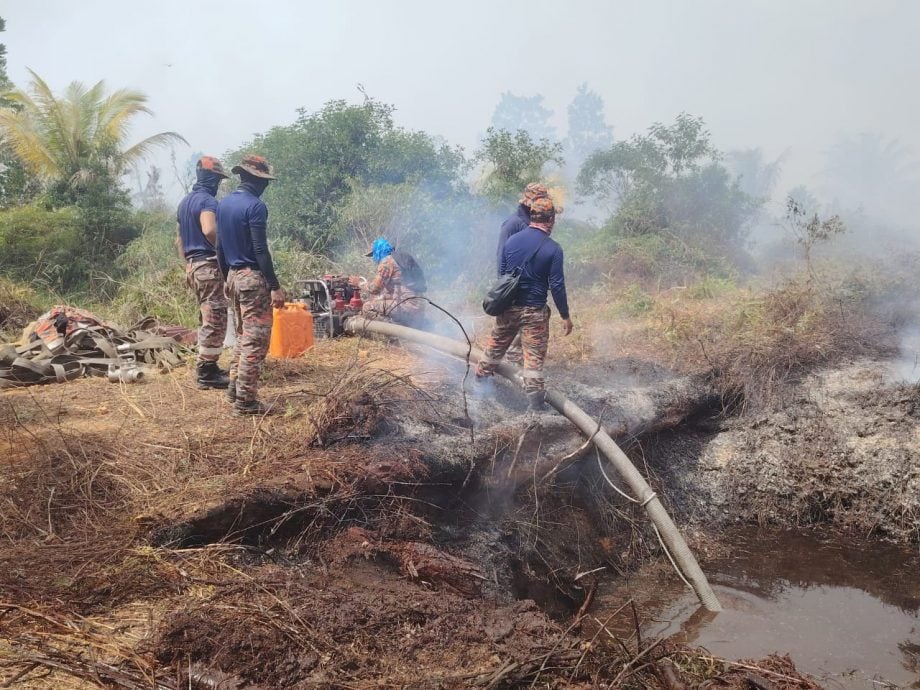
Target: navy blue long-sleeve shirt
x,y
543,274
242,218
512,226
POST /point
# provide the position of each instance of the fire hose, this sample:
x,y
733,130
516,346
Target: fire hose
x,y
671,537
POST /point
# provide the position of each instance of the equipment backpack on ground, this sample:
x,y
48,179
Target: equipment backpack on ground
x,y
412,275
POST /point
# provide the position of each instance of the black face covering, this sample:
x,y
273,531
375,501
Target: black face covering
x,y
208,180
252,184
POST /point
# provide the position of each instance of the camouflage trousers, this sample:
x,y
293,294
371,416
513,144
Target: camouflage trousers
x,y
515,354
532,324
401,309
205,280
252,308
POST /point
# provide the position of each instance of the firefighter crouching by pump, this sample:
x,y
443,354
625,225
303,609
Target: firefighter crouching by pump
x,y
394,291
253,288
540,260
196,240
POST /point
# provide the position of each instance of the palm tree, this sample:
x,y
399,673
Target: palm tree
x,y
79,136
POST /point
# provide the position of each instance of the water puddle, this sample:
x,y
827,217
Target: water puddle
x,y
847,613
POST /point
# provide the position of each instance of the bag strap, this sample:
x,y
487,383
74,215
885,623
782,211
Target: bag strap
x,y
535,252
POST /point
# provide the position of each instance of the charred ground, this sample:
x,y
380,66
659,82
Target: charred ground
x,y
381,530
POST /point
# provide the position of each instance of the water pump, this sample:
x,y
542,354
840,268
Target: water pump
x,y
330,299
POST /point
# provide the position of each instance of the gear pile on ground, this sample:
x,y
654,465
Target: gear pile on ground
x,y
67,343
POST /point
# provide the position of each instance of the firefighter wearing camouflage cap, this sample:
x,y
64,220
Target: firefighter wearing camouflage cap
x,y
533,191
251,281
513,225
521,218
256,166
196,238
540,260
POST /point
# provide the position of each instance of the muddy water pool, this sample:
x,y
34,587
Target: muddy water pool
x,y
847,612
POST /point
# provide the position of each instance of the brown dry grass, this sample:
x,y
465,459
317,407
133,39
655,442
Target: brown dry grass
x,y
752,342
94,470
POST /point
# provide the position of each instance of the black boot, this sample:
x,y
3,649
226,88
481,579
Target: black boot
x,y
241,408
210,376
536,401
231,392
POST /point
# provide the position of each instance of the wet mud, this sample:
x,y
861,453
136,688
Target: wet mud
x,y
847,610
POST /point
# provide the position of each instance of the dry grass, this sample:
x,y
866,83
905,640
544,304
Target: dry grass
x,y
18,306
752,342
94,470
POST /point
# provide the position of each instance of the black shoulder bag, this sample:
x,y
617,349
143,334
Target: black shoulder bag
x,y
502,294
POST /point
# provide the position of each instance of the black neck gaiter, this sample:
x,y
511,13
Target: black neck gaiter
x,y
208,180
252,184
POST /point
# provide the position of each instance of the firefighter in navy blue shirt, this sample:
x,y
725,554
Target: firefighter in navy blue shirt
x,y
242,220
529,314
196,240
519,220
512,226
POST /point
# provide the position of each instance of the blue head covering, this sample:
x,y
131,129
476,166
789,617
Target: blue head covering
x,y
382,249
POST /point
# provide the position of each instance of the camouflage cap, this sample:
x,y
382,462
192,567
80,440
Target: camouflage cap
x,y
542,210
534,190
213,164
255,165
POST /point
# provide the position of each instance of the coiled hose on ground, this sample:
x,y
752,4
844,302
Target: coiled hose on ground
x,y
645,496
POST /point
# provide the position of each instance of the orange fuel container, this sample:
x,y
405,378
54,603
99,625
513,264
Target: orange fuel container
x,y
292,331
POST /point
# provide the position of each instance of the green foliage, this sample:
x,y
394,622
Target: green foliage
x,y
661,261
434,228
16,187
809,229
292,263
78,137
38,246
152,279
633,301
512,162
645,161
4,79
322,156
710,287
670,181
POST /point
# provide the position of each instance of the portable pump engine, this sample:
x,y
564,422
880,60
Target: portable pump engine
x,y
330,299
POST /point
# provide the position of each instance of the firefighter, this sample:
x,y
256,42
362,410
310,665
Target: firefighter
x,y
513,225
196,241
530,314
396,286
520,219
253,288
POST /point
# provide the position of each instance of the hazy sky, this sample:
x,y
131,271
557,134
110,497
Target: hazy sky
x,y
780,74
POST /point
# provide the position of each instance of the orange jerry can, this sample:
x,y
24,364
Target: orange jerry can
x,y
292,331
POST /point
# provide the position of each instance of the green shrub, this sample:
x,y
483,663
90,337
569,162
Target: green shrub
x,y
635,302
150,277
710,286
42,247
